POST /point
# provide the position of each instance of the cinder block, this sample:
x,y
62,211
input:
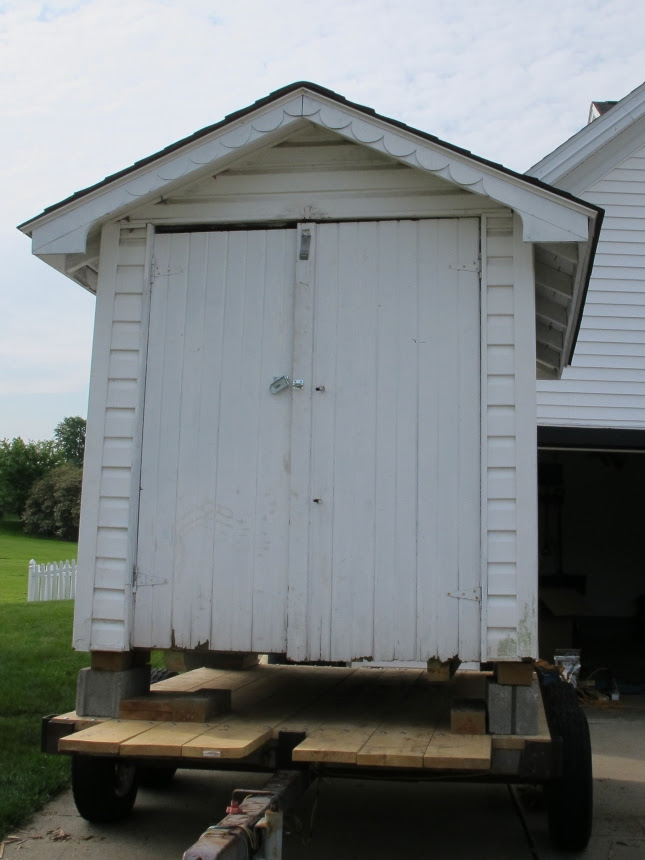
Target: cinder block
x,y
468,717
98,693
526,709
500,709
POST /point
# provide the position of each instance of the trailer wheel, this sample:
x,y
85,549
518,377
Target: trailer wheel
x,y
104,789
569,798
155,777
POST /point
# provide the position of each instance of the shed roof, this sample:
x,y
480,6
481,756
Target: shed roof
x,y
565,228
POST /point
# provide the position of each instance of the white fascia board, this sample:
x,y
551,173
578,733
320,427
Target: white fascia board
x,y
546,216
597,135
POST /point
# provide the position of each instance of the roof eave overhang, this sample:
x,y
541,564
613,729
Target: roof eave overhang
x,y
547,215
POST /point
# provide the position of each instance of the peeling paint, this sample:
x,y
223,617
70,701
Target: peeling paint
x,y
507,647
526,630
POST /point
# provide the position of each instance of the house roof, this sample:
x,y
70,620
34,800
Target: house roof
x,y
588,154
565,228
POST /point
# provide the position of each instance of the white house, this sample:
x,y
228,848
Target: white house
x,y
592,421
312,421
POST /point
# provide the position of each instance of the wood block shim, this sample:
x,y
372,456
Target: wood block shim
x,y
514,674
177,707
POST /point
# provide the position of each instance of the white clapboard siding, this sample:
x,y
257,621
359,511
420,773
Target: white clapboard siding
x,y
508,502
605,386
108,517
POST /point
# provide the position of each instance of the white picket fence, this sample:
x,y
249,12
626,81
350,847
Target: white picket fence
x,y
55,580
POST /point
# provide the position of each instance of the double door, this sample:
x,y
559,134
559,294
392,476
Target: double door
x,y
310,469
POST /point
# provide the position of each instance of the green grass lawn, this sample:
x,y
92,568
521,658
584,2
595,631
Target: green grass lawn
x,y
16,550
38,672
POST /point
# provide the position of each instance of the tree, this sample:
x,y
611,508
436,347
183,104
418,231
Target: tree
x,y
70,439
22,463
54,503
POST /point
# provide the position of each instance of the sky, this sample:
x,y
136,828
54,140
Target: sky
x,y
87,87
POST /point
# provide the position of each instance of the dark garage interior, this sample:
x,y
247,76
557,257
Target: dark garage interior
x,y
592,554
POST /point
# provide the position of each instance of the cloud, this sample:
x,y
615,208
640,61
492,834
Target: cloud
x,y
98,84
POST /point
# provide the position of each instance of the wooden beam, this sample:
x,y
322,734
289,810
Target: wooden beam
x,y
549,336
551,311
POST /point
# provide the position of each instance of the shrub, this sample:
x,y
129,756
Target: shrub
x,y
21,464
54,503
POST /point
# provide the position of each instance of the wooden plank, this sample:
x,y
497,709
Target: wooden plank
x,y
468,717
187,682
200,707
353,713
80,723
104,739
261,709
458,752
234,739
162,739
402,740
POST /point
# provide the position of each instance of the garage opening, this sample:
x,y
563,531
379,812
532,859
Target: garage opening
x,y
592,551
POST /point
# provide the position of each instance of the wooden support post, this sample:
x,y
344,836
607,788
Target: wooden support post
x,y
119,661
514,674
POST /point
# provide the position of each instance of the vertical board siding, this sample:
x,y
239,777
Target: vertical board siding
x,y
604,386
396,347
105,536
212,561
507,350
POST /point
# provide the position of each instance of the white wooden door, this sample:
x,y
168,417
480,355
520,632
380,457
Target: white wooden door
x,y
389,567
340,520
214,506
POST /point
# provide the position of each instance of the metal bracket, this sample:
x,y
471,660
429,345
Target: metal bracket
x,y
475,266
142,580
467,594
305,244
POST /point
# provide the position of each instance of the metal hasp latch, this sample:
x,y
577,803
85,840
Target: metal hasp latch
x,y
281,382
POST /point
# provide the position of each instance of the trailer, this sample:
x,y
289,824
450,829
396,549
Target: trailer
x,y
301,723
312,435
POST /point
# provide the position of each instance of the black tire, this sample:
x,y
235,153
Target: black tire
x,y
104,789
160,675
155,777
569,798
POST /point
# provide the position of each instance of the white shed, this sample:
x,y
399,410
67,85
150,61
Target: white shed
x,y
312,420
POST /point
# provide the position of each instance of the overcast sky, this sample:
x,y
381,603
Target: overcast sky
x,y
90,86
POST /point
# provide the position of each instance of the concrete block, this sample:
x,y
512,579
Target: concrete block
x,y
99,693
500,709
526,709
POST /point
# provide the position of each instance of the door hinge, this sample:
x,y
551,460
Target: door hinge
x,y
141,580
473,266
467,594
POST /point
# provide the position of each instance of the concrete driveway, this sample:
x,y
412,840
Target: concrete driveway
x,y
360,819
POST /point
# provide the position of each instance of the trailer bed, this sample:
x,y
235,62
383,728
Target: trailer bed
x,y
365,717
